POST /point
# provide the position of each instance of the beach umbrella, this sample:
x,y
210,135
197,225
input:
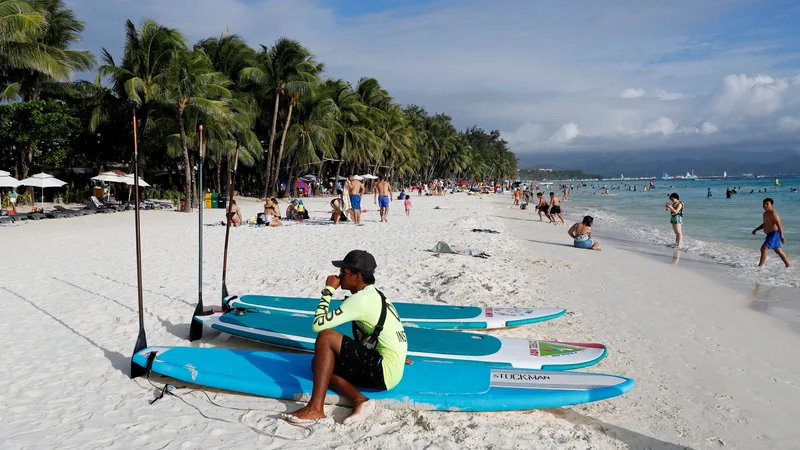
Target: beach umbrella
x,y
369,177
6,180
42,180
309,177
358,177
112,176
340,178
128,179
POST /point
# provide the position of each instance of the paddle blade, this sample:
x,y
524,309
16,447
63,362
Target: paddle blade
x,y
196,328
141,344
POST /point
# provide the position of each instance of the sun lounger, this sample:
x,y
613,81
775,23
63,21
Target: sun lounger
x,y
103,203
97,207
70,212
6,219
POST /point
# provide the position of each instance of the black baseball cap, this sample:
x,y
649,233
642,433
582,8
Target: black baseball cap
x,y
358,260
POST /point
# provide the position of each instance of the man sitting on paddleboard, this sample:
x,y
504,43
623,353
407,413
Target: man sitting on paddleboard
x,y
340,362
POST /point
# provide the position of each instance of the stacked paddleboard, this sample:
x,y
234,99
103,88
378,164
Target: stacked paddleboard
x,y
452,370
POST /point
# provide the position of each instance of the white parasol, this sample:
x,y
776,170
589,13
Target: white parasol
x,y
358,177
6,180
109,177
369,177
128,179
42,180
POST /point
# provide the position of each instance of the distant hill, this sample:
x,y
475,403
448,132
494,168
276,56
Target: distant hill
x,y
540,175
703,162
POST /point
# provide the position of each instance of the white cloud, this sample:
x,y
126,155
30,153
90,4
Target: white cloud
x,y
566,133
599,57
708,128
788,123
669,96
663,125
632,93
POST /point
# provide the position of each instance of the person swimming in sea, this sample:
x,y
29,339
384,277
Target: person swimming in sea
x,y
774,230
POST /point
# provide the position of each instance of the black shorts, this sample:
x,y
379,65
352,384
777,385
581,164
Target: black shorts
x,y
555,209
359,365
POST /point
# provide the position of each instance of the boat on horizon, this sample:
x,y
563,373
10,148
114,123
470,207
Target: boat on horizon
x,y
691,176
666,176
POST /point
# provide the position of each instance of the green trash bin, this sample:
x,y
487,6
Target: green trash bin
x,y
215,200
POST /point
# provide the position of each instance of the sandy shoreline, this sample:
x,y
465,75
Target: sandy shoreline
x,y
709,371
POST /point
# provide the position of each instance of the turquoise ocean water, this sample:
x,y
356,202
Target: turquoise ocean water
x,y
717,228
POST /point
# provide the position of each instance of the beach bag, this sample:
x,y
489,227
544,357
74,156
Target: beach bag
x,y
370,341
261,219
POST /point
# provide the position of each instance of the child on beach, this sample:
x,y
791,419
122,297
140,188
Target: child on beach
x,y
407,204
675,208
774,230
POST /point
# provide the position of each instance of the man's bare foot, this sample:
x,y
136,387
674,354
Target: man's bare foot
x,y
361,411
305,414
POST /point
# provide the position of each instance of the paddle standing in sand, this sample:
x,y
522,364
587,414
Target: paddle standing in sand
x,y
774,230
383,195
356,189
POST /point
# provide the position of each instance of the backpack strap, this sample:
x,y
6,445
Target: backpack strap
x,y
382,319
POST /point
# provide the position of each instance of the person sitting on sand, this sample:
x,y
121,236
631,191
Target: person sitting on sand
x,y
272,215
675,209
774,230
302,212
374,358
581,233
291,210
234,214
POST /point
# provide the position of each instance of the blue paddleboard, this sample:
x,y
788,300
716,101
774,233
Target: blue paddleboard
x,y
425,316
425,385
294,331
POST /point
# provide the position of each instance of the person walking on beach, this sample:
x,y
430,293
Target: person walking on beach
x,y
675,208
383,195
555,209
12,197
356,189
374,358
408,205
542,207
774,230
581,234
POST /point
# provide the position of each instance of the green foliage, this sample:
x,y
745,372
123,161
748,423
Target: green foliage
x,y
169,194
77,195
46,125
274,104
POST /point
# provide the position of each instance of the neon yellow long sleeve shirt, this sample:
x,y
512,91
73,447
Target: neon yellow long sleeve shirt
x,y
364,307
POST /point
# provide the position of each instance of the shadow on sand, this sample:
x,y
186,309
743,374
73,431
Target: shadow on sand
x,y
552,243
118,360
180,330
633,439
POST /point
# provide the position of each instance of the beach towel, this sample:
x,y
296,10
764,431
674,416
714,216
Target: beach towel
x,y
444,247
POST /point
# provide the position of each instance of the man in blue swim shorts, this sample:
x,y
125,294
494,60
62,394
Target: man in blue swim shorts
x,y
774,230
383,195
355,188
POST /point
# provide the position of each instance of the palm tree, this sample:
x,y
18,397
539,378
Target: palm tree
x,y
310,140
189,82
148,52
53,43
21,29
286,68
353,134
229,54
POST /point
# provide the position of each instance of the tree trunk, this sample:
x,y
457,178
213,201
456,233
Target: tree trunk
x,y
195,196
188,178
320,179
276,169
229,171
219,170
338,170
267,186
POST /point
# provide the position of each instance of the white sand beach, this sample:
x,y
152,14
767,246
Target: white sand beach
x,y
710,371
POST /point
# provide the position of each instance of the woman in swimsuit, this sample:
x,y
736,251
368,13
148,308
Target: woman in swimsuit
x,y
581,234
675,208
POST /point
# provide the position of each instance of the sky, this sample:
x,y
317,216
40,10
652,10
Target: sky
x,y
552,75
